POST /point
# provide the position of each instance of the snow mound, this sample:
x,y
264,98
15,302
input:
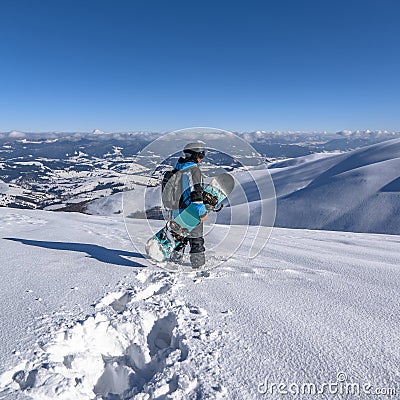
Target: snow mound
x,y
107,205
300,160
354,191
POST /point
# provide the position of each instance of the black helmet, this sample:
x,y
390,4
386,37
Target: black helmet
x,y
195,150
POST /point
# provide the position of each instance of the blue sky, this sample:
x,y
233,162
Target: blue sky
x,y
164,65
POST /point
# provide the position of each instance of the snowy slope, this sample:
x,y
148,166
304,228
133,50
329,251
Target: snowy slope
x,y
87,316
357,191
353,191
105,205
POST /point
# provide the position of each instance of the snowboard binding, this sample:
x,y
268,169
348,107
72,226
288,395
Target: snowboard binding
x,y
178,233
211,201
177,254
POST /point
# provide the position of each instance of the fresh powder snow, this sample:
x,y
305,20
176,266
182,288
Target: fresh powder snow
x,y
85,316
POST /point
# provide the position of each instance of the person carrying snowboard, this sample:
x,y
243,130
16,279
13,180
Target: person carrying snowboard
x,y
192,192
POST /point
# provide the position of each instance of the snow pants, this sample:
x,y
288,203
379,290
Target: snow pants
x,y
197,249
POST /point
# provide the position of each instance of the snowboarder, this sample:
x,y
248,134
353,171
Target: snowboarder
x,y
192,192
188,202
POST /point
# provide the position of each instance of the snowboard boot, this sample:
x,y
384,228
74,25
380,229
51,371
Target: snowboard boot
x,y
176,256
197,249
197,260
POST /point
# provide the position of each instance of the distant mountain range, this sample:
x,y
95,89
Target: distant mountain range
x,y
323,181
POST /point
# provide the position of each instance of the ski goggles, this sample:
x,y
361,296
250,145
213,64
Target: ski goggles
x,y
201,154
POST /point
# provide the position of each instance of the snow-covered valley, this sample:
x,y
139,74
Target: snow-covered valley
x,y
85,316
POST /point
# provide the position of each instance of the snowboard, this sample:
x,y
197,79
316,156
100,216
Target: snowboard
x,y
174,234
